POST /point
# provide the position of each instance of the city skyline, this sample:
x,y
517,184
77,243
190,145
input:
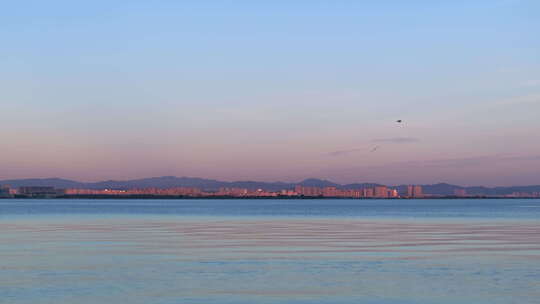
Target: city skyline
x,y
169,182
272,91
355,191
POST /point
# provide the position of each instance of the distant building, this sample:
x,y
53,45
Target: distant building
x,y
330,191
287,192
521,194
40,191
356,193
414,191
367,192
381,192
233,192
5,191
460,192
308,191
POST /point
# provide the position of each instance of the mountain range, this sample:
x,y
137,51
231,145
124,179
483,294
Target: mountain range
x,y
211,184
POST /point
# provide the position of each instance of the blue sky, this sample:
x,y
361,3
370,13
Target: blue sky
x,y
270,91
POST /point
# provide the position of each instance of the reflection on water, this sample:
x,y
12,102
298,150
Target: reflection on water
x,y
268,260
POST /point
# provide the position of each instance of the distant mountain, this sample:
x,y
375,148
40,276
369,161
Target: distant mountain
x,y
158,182
313,182
359,186
502,190
153,182
211,184
440,188
43,182
260,185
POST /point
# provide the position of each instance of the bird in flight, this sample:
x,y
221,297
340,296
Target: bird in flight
x,y
399,121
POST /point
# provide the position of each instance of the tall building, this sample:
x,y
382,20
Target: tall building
x,y
381,192
330,192
367,192
414,191
308,191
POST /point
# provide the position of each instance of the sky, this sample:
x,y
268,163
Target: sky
x,y
272,90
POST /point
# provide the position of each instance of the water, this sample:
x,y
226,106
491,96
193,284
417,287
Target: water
x,y
269,251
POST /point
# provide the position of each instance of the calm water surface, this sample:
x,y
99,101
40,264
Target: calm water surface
x,y
269,251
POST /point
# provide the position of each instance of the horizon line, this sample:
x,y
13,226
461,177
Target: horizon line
x,y
256,181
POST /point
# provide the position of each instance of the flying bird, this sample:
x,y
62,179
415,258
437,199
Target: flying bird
x,y
374,149
399,121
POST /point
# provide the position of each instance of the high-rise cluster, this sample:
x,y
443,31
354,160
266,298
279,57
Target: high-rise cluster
x,y
414,191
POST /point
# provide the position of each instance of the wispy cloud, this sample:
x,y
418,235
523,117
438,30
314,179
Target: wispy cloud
x,y
464,162
373,148
396,140
488,169
344,152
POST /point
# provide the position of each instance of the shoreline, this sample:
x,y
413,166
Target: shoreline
x,y
173,197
